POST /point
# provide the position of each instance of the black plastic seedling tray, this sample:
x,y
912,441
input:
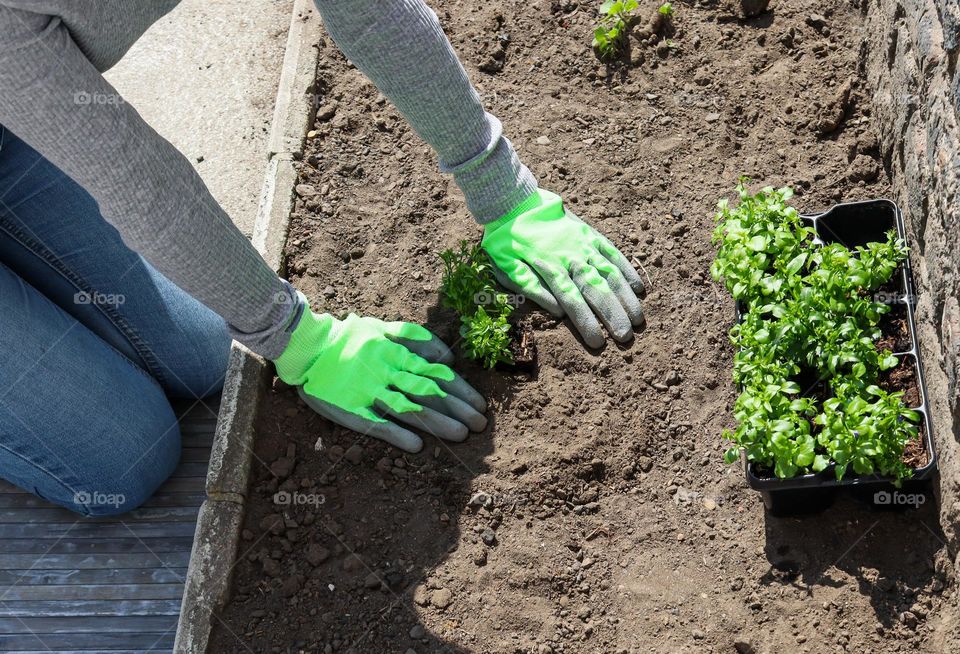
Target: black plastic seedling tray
x,y
853,224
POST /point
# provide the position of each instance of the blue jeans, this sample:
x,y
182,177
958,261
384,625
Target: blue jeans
x,y
93,342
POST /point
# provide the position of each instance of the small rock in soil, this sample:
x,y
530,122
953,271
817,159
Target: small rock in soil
x,y
354,454
316,554
441,598
271,567
372,581
417,632
489,537
335,453
394,579
909,619
272,523
421,596
481,499
816,21
833,114
282,467
326,112
864,169
306,190
352,563
751,8
291,585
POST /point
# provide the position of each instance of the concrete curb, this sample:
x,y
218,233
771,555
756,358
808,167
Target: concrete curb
x,y
217,535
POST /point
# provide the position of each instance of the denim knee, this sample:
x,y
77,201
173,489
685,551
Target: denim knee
x,y
137,485
134,464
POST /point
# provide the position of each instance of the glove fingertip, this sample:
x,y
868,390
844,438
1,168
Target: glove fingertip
x,y
623,336
594,340
458,434
480,421
639,288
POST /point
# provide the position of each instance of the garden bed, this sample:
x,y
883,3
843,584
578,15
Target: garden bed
x,y
595,515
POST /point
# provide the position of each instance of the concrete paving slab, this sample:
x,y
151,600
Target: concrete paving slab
x,y
206,78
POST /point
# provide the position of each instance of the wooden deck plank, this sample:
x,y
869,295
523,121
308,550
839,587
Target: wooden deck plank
x,y
73,626
93,561
82,529
101,643
118,608
93,577
110,584
53,514
71,594
27,501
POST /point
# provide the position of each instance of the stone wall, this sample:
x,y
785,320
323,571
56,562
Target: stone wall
x,y
910,52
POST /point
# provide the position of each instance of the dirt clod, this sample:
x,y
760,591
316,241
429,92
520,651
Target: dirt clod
x,y
441,598
752,8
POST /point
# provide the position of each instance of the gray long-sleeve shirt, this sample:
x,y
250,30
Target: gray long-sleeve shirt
x,y
53,96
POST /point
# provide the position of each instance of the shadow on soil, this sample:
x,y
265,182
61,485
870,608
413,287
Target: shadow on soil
x,y
890,554
353,573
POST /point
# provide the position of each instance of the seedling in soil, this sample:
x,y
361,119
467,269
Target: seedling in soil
x,y
469,288
666,9
610,35
808,307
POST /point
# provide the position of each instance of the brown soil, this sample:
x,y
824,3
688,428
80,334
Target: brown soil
x,y
523,347
915,452
595,515
896,330
903,379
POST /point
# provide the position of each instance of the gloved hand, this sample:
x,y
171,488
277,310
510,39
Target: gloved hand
x,y
357,371
547,254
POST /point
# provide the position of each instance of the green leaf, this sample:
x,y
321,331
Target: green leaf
x,y
804,455
731,455
796,263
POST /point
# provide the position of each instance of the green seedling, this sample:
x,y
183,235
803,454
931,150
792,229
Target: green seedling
x,y
469,288
487,337
808,308
610,34
666,9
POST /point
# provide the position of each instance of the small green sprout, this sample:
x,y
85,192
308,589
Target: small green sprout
x,y
469,288
666,9
616,16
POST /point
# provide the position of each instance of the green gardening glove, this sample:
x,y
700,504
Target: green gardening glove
x,y
547,254
359,372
